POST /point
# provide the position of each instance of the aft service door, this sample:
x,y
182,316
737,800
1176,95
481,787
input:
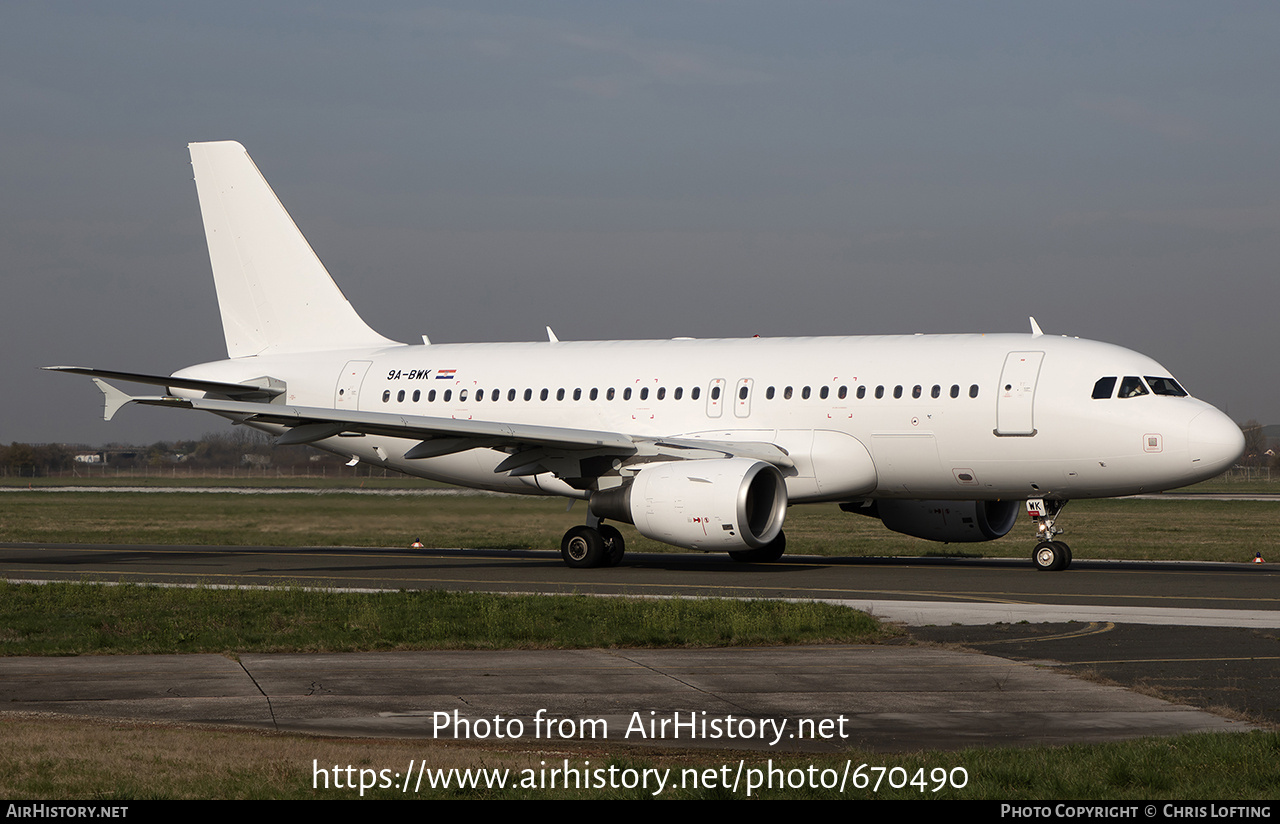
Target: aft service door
x,y
346,395
1016,398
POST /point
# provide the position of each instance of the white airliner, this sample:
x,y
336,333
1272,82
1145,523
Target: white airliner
x,y
699,443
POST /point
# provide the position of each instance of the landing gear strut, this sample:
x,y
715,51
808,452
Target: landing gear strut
x,y
592,545
614,546
1049,555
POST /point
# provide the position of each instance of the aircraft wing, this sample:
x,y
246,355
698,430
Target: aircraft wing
x,y
533,448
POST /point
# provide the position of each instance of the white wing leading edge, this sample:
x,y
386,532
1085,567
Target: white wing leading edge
x,y
532,448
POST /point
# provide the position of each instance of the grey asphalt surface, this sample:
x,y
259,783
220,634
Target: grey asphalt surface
x,y
775,699
1019,686
1007,583
1232,670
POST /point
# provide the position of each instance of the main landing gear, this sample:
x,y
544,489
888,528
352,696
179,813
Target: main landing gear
x,y
584,547
1049,555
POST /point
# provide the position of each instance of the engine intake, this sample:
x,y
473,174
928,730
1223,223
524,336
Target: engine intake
x,y
723,504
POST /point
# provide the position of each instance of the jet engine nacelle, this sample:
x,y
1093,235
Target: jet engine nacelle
x,y
718,505
949,521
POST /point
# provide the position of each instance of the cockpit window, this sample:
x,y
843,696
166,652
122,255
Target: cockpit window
x,y
1131,387
1166,386
1103,388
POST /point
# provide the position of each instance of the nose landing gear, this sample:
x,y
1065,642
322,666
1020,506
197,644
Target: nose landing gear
x,y
1049,555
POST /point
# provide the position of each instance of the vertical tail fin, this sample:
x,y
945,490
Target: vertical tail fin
x,y
274,293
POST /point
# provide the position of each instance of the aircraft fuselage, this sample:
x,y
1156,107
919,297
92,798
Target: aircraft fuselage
x,y
956,417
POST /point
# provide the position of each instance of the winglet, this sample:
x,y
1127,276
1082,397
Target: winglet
x,y
113,399
551,336
1035,328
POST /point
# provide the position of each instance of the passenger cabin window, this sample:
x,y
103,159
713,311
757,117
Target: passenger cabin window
x,y
1131,387
973,390
1103,388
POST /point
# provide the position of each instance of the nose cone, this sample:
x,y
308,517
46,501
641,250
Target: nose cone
x,y
1216,443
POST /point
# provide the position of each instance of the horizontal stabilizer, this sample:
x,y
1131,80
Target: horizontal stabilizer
x,y
113,399
235,391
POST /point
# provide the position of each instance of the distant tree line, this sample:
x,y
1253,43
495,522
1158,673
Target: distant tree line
x,y
1258,451
214,451
33,460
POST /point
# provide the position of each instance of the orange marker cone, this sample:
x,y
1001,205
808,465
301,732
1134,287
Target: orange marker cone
x,y
1257,558
416,544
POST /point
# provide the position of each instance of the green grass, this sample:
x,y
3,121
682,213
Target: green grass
x,y
244,479
112,762
1122,529
79,619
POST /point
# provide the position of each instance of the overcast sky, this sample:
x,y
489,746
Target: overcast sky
x,y
477,171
